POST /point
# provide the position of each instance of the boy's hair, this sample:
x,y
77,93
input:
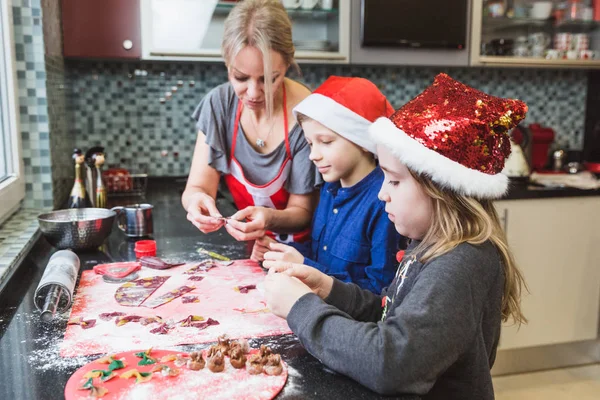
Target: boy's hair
x,y
263,24
456,219
302,118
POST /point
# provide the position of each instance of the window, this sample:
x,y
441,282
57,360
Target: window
x,y
12,183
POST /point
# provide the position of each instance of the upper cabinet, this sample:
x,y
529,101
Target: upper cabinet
x,y
193,30
101,29
524,33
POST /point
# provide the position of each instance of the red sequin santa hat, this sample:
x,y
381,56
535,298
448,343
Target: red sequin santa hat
x,y
347,106
454,134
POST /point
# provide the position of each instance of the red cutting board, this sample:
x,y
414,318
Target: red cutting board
x,y
230,384
218,301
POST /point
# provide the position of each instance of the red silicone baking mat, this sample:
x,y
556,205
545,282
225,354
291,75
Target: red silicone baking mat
x,y
229,384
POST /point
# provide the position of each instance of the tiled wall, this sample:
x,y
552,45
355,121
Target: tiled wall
x,y
118,105
61,139
42,111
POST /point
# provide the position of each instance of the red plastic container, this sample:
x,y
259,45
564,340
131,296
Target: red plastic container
x,y
145,248
541,139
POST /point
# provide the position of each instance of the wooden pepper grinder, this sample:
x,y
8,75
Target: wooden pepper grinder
x,y
95,160
77,198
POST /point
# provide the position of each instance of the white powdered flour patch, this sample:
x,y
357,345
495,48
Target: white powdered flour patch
x,y
204,384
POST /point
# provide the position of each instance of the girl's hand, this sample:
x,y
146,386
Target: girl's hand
x,y
256,226
203,213
261,246
318,282
282,252
282,291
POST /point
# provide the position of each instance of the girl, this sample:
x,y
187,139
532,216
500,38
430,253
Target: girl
x,y
435,330
335,120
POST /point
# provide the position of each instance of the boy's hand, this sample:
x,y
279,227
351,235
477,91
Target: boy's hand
x,y
282,252
319,283
261,246
282,291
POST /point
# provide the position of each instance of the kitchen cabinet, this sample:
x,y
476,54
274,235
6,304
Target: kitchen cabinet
x,y
101,29
193,30
556,243
513,38
401,56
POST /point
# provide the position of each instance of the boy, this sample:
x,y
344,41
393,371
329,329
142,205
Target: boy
x,y
352,238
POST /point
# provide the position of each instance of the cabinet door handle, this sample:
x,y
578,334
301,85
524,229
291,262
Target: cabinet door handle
x,y
127,44
504,220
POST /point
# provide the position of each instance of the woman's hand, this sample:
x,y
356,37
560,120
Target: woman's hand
x,y
261,246
258,219
203,213
318,282
282,291
283,252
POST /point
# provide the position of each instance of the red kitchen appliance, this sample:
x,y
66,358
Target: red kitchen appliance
x,y
541,139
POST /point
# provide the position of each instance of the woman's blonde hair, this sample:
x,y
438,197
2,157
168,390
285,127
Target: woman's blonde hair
x,y
457,219
263,24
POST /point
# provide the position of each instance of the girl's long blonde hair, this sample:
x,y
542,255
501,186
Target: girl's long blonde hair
x,y
263,24
457,219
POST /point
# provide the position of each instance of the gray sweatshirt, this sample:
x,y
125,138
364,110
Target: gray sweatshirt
x,y
432,333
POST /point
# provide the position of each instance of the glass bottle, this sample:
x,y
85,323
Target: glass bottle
x,y
77,198
100,187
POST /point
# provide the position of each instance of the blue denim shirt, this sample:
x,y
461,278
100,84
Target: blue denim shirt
x,y
352,237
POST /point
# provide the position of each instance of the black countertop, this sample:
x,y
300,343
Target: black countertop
x,y
30,367
518,191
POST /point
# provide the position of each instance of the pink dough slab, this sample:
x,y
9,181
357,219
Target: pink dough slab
x,y
239,314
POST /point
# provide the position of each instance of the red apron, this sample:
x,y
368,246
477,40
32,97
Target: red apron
x,y
270,195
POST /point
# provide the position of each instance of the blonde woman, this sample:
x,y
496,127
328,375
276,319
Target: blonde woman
x,y
247,133
434,332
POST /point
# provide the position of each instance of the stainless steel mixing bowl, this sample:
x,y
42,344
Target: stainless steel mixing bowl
x,y
77,228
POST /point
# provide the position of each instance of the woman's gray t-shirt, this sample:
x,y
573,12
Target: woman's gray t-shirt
x,y
215,116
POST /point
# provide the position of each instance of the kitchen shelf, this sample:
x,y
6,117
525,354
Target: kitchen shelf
x,y
576,26
498,61
491,24
302,56
316,13
496,24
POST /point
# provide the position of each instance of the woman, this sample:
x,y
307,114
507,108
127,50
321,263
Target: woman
x,y
246,132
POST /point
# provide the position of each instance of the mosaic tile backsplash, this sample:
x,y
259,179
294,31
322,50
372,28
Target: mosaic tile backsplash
x,y
141,111
42,105
61,139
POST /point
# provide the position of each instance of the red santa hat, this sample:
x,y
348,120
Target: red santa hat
x,y
455,134
347,106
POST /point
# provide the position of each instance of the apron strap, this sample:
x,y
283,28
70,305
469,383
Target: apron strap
x,y
236,126
285,124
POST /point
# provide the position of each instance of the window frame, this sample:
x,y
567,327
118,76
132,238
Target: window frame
x,y
12,189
